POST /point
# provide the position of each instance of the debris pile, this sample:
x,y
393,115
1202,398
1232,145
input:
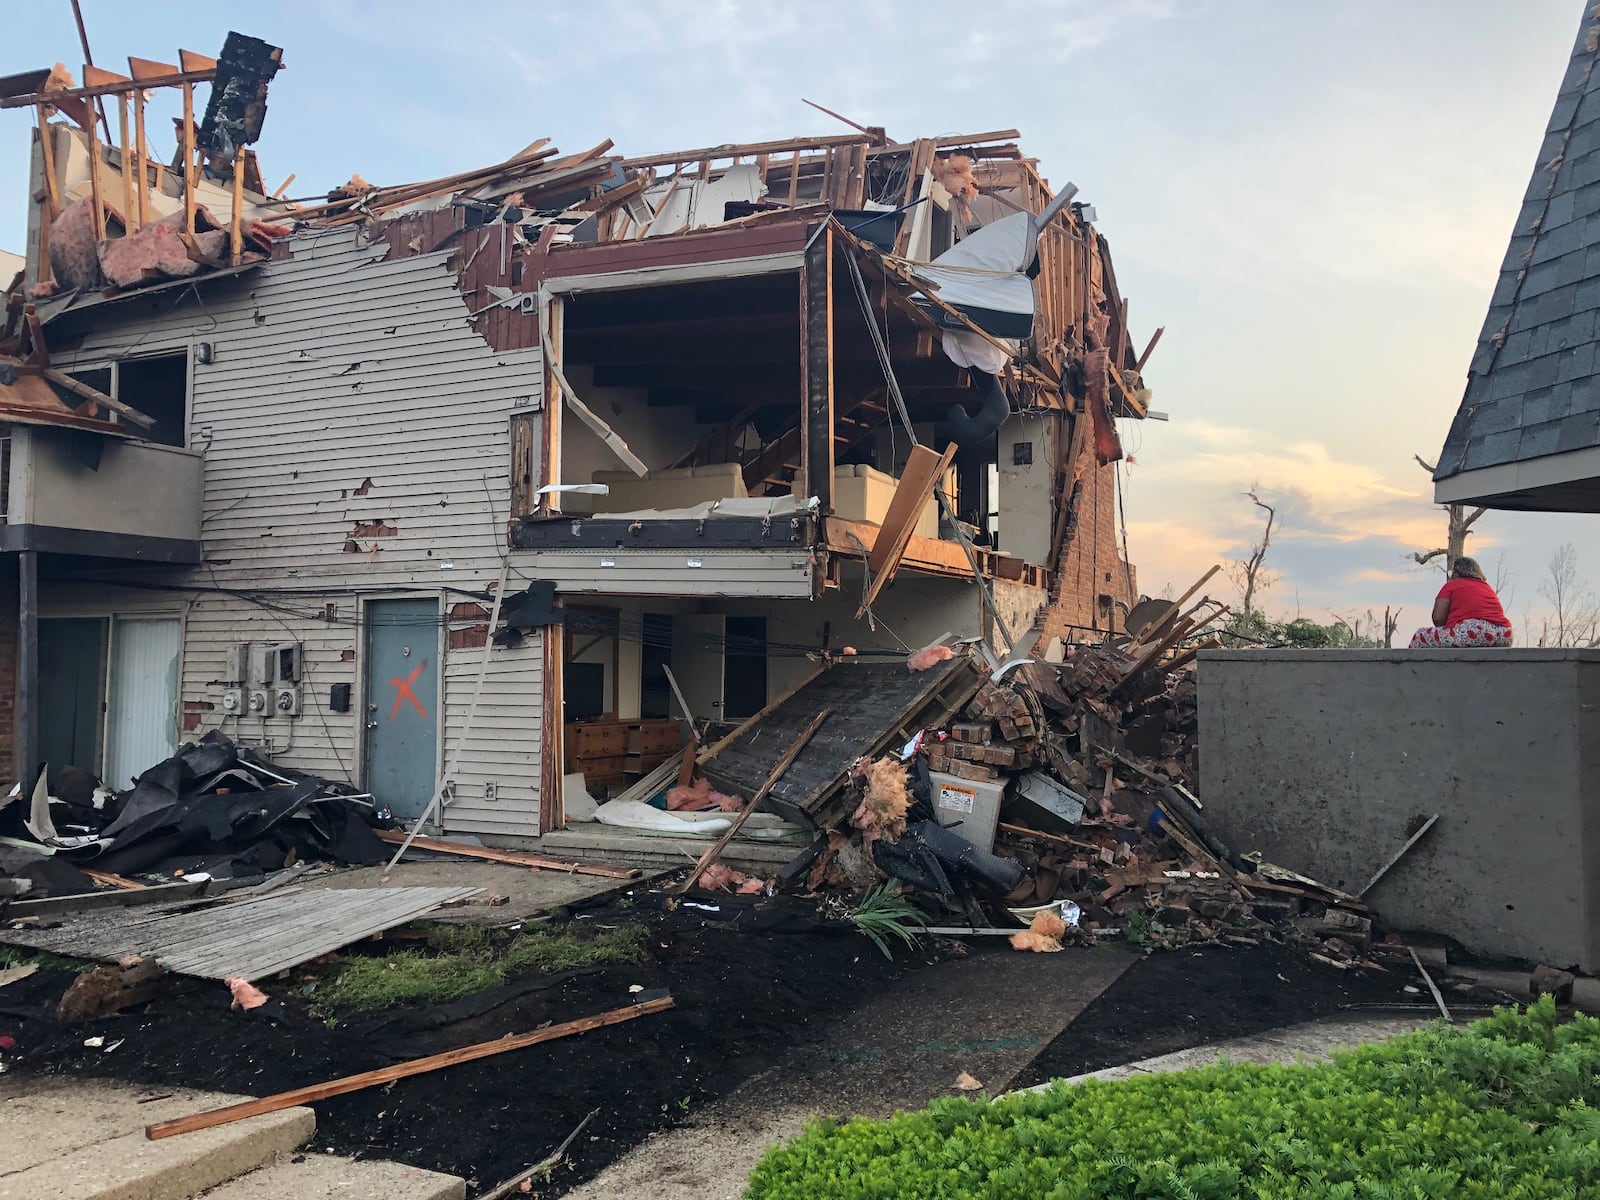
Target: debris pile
x,y
213,809
1053,798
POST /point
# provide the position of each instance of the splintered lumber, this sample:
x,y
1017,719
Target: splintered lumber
x,y
512,857
1160,626
418,1066
1433,988
126,411
116,881
924,469
545,1165
1399,854
785,761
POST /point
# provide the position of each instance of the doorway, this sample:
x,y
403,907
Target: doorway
x,y
72,691
401,747
141,696
744,686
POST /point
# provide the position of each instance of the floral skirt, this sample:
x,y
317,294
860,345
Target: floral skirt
x,y
1472,634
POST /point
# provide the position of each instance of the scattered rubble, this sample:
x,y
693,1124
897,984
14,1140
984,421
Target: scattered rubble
x,y
214,810
1059,796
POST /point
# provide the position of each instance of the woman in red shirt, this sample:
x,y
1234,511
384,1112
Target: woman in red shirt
x,y
1466,613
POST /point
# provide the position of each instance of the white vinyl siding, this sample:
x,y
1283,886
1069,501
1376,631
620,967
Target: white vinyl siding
x,y
327,371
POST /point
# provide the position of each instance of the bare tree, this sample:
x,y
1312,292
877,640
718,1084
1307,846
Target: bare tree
x,y
1574,618
1391,622
1249,574
1460,525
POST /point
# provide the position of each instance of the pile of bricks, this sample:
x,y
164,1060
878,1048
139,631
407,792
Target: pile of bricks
x,y
1001,732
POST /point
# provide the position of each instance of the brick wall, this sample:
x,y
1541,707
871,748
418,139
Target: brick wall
x,y
8,668
1093,565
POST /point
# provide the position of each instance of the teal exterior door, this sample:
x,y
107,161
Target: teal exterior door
x,y
402,693
72,689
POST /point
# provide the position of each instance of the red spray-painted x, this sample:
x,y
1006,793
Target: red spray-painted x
x,y
403,692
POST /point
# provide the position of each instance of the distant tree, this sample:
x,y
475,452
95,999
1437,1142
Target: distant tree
x,y
1305,634
1574,618
1459,526
1249,574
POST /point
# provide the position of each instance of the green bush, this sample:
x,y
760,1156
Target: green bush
x,y
1504,1110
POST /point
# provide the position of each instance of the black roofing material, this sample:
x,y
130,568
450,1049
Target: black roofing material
x,y
1533,388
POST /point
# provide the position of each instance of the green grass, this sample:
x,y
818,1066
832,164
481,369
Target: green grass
x,y
21,956
1505,1110
462,959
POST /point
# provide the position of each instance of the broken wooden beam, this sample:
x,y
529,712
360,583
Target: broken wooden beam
x,y
785,761
1399,854
419,1066
511,857
127,412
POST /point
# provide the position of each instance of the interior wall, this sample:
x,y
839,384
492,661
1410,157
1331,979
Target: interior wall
x,y
659,436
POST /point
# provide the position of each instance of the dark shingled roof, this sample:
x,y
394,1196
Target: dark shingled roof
x,y
1533,388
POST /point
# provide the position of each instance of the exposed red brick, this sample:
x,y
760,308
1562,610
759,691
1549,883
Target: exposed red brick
x,y
474,636
374,529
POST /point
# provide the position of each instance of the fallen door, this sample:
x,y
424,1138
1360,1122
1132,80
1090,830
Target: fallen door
x,y
141,696
402,691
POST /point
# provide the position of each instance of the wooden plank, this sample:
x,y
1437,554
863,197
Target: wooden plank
x,y
785,761
236,211
1398,855
714,153
251,938
127,411
514,858
146,74
187,140
1156,627
130,215
933,555
924,469
816,370
141,158
89,901
524,465
192,63
419,1066
116,881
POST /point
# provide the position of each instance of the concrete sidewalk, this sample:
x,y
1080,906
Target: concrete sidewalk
x,y
988,1014
1296,1043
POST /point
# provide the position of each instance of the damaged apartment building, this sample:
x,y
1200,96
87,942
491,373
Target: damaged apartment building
x,y
480,481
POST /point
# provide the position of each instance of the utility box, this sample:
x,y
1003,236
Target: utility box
x,y
236,664
286,662
969,808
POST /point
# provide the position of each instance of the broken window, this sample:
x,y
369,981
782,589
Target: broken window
x,y
158,385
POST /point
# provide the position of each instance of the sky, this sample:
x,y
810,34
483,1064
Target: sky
x,y
1312,199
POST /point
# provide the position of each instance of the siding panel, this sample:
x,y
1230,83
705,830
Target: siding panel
x,y
329,369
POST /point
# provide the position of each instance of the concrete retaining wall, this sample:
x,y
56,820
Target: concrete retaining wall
x,y
1323,759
